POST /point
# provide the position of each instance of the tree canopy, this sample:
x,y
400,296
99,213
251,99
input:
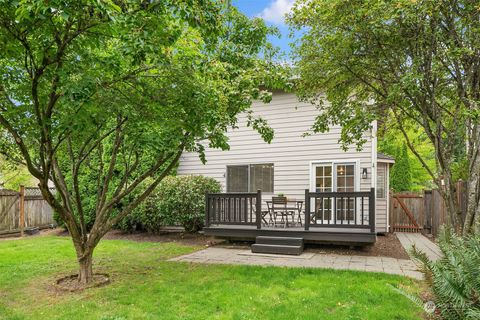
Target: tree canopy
x,y
12,175
415,61
102,97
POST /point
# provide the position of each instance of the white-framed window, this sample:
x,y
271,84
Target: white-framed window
x,y
381,183
250,178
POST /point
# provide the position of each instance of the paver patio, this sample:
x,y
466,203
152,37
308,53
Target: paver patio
x,y
218,255
421,242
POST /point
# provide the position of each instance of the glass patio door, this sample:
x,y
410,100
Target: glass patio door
x,y
336,177
323,183
345,182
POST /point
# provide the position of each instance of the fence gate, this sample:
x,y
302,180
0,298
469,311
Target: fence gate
x,y
407,212
9,210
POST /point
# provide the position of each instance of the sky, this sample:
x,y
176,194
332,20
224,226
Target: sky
x,y
273,12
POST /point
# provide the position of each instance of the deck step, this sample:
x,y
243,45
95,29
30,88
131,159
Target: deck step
x,y
278,245
277,249
288,241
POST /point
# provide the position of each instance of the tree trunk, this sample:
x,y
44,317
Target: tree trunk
x,y
85,274
472,220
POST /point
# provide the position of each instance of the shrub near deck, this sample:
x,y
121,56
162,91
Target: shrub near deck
x,y
178,200
145,286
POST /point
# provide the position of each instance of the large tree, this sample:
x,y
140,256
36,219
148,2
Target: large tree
x,y
415,61
117,90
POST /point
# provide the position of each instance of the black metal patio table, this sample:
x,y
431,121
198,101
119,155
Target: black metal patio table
x,y
292,205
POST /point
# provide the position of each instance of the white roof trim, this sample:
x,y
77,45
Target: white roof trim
x,y
386,161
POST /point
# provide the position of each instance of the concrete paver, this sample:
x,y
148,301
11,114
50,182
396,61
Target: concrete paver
x,y
421,242
218,255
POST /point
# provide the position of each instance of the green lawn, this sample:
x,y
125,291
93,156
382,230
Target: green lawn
x,y
146,286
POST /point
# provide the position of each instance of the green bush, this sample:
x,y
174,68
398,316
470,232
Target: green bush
x,y
58,220
454,279
178,200
401,176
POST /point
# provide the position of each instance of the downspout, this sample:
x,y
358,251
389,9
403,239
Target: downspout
x,y
373,181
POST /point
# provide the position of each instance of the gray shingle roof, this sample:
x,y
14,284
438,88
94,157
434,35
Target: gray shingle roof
x,y
384,156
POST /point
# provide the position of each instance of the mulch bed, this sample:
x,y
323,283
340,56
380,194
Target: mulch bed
x,y
190,239
70,283
386,246
177,236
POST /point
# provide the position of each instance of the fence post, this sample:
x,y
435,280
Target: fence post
x,y
22,209
390,211
307,209
427,208
258,212
207,210
371,209
461,200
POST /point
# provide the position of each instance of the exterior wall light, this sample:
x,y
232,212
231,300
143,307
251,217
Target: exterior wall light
x,y
364,173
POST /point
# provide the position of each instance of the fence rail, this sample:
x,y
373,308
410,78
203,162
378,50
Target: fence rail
x,y
35,193
340,209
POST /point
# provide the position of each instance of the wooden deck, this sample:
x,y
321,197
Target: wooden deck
x,y
344,236
350,220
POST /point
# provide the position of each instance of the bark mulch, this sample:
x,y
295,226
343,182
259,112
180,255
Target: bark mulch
x,y
190,239
70,283
386,246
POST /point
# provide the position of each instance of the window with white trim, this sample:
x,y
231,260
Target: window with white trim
x,y
381,183
250,178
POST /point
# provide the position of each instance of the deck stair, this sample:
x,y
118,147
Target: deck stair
x,y
278,245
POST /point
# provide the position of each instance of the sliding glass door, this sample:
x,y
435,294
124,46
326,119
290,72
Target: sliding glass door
x,y
334,177
323,183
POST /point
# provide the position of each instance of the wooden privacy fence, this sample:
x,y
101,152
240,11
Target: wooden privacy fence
x,y
421,212
23,209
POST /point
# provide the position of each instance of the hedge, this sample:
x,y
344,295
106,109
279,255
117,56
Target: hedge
x,y
178,200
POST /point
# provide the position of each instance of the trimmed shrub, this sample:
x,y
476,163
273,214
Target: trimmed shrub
x,y
454,279
178,200
401,176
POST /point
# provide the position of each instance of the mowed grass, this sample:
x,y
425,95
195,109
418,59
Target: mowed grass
x,y
146,286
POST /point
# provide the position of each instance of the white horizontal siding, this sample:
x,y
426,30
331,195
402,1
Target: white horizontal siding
x,y
290,152
381,204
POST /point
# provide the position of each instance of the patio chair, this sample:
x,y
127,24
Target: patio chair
x,y
279,207
269,213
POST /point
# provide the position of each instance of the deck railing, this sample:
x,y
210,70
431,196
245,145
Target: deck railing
x,y
322,209
233,208
340,209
